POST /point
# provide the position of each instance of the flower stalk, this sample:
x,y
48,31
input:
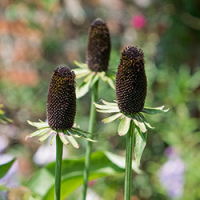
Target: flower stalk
x,y
128,168
59,153
94,98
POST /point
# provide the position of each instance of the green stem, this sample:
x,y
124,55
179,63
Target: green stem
x,y
128,172
89,145
59,152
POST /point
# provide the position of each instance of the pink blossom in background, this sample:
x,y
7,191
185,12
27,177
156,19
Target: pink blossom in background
x,y
138,21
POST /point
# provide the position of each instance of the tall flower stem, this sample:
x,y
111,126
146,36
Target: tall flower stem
x,y
59,153
128,172
89,145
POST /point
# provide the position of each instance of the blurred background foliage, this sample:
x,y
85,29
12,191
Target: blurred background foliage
x,y
37,36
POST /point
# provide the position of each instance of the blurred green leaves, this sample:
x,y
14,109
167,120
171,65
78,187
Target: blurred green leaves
x,y
102,164
5,167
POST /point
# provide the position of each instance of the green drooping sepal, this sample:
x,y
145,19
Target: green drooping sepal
x,y
98,49
131,82
61,100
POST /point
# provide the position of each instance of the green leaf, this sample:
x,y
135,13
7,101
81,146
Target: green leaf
x,y
41,182
124,126
153,111
120,161
102,164
5,167
3,188
112,118
140,139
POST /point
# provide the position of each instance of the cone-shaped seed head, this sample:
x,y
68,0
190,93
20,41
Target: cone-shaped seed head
x,y
98,49
61,100
131,82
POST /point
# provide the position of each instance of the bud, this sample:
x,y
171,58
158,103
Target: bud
x,y
98,49
61,99
131,82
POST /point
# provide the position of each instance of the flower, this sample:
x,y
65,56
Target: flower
x,y
138,21
171,174
97,58
61,110
98,49
131,87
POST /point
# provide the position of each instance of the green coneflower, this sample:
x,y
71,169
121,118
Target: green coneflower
x,y
131,82
61,110
98,49
97,58
131,89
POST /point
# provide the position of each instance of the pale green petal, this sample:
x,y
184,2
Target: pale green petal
x,y
112,118
102,75
145,121
94,80
111,83
124,126
53,137
108,111
108,103
63,139
89,77
72,141
45,136
81,72
82,89
70,132
153,111
38,133
81,133
39,124
81,65
105,107
141,125
80,130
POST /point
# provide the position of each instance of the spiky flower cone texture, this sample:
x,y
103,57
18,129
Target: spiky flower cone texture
x,y
61,99
98,49
131,82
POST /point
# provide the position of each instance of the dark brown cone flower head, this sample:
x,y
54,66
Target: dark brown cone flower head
x,y
131,82
98,49
61,100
